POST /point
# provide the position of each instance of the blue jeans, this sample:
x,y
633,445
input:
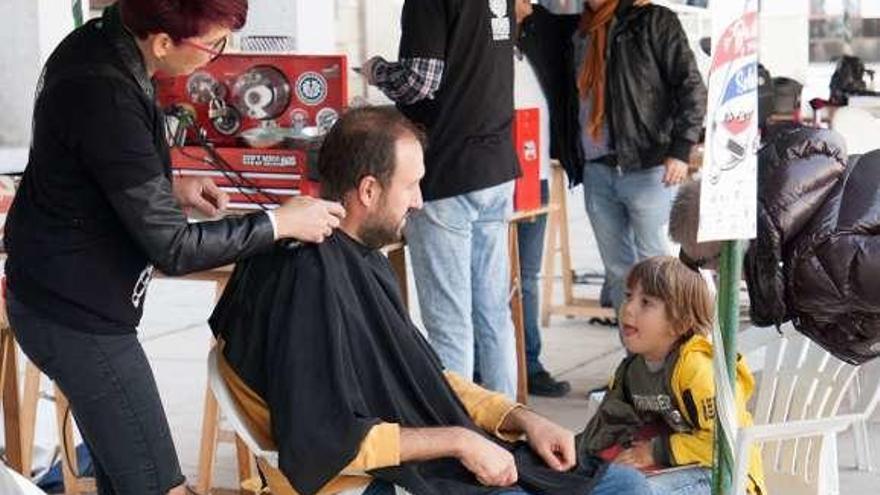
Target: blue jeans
x,y
460,261
694,481
530,235
629,213
618,480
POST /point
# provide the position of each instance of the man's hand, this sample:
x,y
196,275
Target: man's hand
x,y
552,442
491,464
639,456
200,193
676,171
308,219
367,70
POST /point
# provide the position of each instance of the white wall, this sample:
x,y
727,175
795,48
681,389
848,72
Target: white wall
x,y
314,26
785,38
309,22
20,58
365,28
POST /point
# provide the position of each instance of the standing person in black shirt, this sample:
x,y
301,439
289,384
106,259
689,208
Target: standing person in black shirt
x,y
455,77
97,210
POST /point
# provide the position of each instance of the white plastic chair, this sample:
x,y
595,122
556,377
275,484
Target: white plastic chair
x,y
863,397
858,127
12,483
800,390
233,414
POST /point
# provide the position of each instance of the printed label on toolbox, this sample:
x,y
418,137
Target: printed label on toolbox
x,y
263,160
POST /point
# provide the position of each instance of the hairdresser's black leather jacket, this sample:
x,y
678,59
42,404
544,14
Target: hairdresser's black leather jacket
x,y
95,210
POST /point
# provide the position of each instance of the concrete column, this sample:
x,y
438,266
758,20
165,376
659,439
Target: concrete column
x,y
29,31
381,24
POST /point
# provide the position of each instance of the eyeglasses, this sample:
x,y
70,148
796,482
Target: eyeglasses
x,y
214,50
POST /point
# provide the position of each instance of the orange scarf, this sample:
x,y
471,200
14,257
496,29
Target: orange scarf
x,y
591,80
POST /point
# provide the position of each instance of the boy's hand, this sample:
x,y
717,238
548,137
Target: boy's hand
x,y
639,456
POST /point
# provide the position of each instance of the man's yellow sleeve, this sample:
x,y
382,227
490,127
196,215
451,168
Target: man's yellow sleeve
x,y
381,447
488,409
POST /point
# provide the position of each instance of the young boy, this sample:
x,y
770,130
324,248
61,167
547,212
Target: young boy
x,y
659,411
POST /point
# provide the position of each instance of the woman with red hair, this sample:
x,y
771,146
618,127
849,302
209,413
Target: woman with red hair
x,y
97,210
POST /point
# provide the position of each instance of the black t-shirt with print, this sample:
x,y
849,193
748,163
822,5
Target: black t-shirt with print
x,y
469,120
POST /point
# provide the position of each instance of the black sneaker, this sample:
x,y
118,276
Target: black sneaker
x,y
544,385
603,322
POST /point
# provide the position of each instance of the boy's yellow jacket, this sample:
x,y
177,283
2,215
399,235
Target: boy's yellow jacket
x,y
692,389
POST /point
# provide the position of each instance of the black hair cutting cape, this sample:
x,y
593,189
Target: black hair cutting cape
x,y
322,334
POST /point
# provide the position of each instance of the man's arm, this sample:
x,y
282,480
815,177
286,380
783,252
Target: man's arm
x,y
510,421
486,408
680,72
389,445
408,81
424,26
491,464
425,444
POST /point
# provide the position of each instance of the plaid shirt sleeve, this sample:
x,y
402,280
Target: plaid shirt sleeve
x,y
410,80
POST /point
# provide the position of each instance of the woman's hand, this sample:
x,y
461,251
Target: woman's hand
x,y
201,194
308,219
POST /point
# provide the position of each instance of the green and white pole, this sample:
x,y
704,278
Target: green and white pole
x,y
728,203
77,13
727,325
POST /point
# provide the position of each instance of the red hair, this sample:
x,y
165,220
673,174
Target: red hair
x,y
181,19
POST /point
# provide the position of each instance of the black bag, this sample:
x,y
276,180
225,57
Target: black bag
x,y
849,80
779,96
786,95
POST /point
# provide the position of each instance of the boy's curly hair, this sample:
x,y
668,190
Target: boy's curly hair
x,y
689,303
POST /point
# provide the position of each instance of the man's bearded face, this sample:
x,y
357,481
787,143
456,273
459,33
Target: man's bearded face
x,y
384,227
